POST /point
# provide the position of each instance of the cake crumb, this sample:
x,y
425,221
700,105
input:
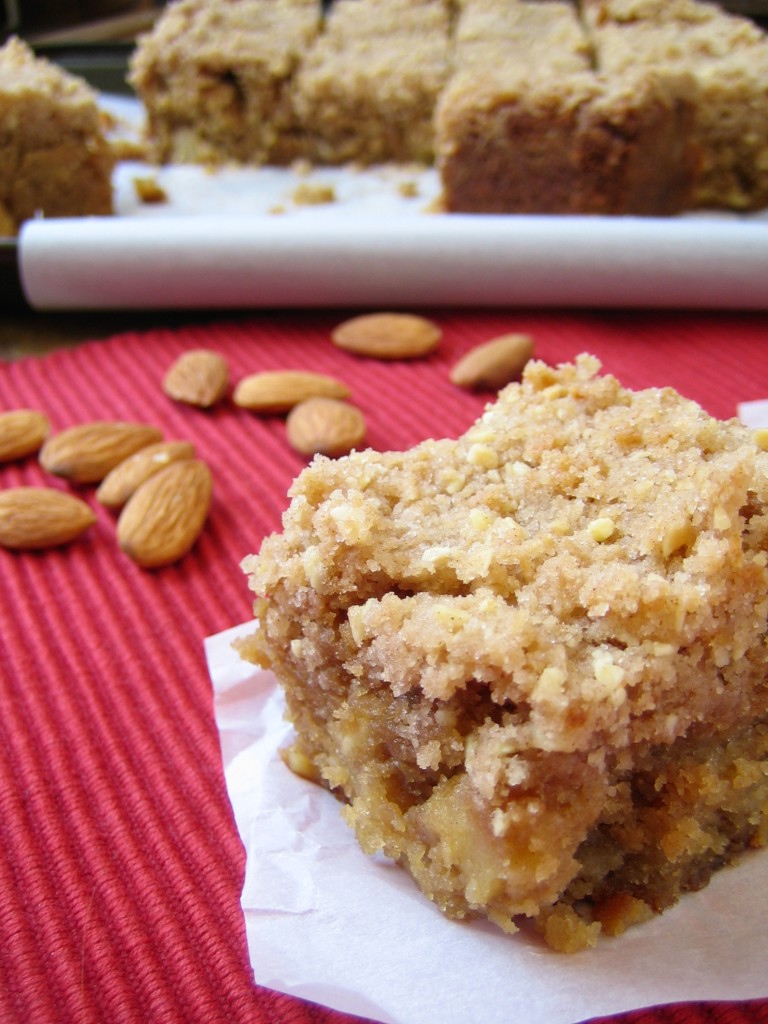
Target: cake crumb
x,y
149,190
315,193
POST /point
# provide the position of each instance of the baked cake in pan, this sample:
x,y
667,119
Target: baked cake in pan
x,y
525,106
533,662
527,142
727,59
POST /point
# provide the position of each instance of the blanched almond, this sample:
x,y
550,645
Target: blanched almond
x,y
41,517
163,518
120,483
388,335
494,363
325,426
277,391
198,377
86,453
22,432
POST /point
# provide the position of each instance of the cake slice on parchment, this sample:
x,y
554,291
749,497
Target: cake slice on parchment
x,y
532,661
55,160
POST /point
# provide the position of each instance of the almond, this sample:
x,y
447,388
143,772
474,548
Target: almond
x,y
127,476
388,335
86,453
22,432
494,363
325,426
277,391
163,518
41,517
198,377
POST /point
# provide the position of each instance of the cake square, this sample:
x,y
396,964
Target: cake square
x,y
641,107
726,56
55,160
212,76
525,124
540,139
532,661
366,91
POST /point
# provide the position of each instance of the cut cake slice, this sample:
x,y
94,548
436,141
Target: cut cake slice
x,y
646,107
532,661
537,140
212,76
55,160
367,90
527,125
726,56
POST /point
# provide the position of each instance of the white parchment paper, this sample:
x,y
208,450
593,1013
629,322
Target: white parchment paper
x,y
326,923
754,414
321,258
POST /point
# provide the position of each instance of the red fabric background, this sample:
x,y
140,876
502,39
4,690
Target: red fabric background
x,y
120,865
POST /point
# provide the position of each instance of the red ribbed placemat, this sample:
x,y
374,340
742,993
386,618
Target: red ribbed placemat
x,y
121,867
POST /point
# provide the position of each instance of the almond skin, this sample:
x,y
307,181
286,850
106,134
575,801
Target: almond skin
x,y
277,391
388,336
494,363
22,433
32,518
86,453
127,476
198,377
325,426
163,518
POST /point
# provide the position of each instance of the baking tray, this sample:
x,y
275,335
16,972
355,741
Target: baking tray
x,y
303,236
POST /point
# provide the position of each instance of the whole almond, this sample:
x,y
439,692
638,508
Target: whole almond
x,y
325,426
494,363
198,377
164,517
22,432
127,476
86,453
388,335
41,517
277,391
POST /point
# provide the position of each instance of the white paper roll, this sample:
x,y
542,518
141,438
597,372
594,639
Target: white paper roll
x,y
260,261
